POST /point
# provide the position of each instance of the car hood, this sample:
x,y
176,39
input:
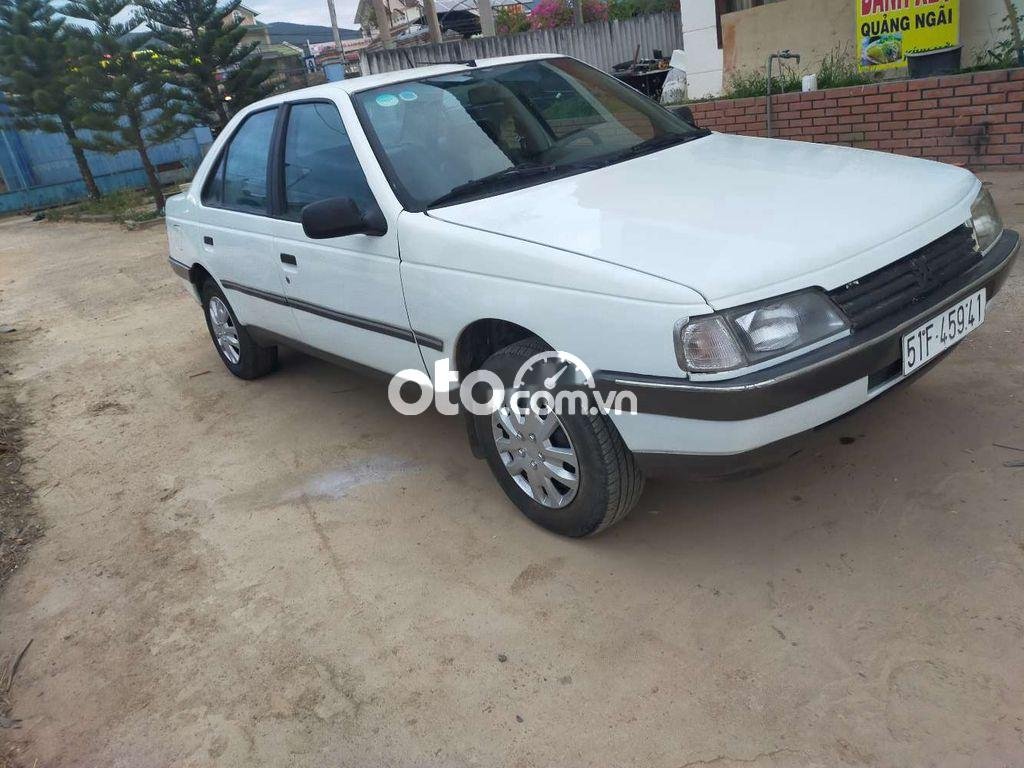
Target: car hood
x,y
738,218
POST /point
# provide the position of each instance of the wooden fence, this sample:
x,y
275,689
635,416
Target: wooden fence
x,y
600,44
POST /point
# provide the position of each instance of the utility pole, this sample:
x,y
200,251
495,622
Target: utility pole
x,y
486,17
334,27
577,12
383,23
430,11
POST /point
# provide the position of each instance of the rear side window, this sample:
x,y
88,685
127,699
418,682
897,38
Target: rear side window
x,y
239,181
319,161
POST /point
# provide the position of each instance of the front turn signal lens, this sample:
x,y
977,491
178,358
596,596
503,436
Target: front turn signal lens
x,y
705,345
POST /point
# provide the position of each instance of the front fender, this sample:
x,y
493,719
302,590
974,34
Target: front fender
x,y
612,317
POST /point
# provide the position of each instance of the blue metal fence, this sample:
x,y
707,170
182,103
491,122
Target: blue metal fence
x,y
39,170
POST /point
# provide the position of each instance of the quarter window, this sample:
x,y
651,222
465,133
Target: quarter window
x,y
319,161
213,192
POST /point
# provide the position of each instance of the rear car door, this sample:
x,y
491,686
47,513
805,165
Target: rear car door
x,y
346,291
236,231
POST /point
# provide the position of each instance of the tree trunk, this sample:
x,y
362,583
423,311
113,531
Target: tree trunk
x,y
577,13
147,165
483,7
430,11
83,165
383,24
222,113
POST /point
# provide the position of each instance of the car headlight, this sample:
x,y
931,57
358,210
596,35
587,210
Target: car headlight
x,y
751,334
985,220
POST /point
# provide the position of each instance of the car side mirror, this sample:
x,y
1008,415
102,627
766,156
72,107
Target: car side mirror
x,y
341,216
686,114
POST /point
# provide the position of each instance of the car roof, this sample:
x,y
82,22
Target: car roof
x,y
366,82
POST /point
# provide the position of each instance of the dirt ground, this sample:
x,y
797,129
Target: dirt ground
x,y
288,573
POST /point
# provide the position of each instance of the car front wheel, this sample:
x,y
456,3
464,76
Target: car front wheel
x,y
570,472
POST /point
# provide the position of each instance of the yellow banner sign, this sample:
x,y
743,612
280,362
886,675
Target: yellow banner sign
x,y
887,30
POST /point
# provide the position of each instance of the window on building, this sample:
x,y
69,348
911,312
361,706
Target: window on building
x,y
730,6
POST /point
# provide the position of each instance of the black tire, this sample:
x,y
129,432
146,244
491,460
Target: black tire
x,y
254,361
610,482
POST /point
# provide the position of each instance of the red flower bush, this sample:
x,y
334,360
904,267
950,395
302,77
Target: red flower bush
x,y
548,14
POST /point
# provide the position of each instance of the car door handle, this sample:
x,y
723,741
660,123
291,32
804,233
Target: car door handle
x,y
207,240
287,258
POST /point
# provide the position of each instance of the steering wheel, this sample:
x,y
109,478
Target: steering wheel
x,y
562,147
583,133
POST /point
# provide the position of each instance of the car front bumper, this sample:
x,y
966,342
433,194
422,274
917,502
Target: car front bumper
x,y
717,426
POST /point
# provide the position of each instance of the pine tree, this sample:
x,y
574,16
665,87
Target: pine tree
x,y
132,106
208,58
36,72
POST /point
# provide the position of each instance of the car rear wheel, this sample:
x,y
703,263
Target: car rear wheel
x,y
568,472
241,355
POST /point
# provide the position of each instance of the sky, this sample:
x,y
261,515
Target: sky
x,y
295,11
304,11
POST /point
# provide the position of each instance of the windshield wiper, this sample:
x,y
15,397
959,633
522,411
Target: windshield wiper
x,y
653,144
661,141
515,173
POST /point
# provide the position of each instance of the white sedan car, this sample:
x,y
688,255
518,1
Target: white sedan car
x,y
531,224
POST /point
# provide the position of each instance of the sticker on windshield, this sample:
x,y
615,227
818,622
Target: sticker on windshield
x,y
387,100
408,96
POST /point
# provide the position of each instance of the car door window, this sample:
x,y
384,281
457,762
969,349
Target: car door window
x,y
244,165
319,161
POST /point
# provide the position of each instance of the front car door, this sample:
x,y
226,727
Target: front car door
x,y
235,229
346,291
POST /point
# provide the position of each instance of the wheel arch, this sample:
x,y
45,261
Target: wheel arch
x,y
475,343
482,338
197,275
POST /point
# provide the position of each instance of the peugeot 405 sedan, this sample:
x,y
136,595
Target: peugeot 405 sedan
x,y
524,216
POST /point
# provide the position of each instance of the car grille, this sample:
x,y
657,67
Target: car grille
x,y
912,279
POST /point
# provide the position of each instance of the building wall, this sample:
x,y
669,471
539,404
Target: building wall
x,y
814,28
811,28
39,169
702,56
243,15
255,32
259,35
974,120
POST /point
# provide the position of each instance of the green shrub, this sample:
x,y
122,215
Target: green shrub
x,y
744,85
839,70
119,204
510,20
627,9
1003,54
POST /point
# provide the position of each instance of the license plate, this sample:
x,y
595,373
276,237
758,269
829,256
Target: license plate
x,y
942,331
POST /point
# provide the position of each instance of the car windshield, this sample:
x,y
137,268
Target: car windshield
x,y
482,131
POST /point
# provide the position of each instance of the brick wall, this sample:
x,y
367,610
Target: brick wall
x,y
975,120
